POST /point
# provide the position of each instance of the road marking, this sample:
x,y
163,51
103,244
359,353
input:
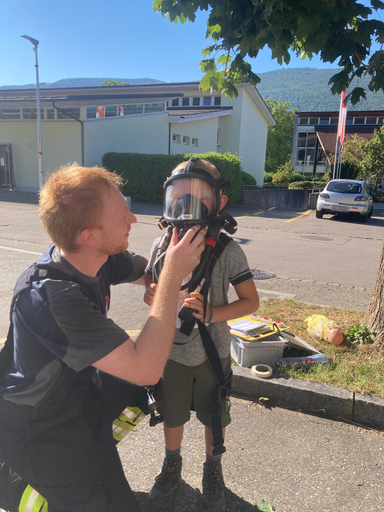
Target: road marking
x,y
250,215
20,250
299,216
131,333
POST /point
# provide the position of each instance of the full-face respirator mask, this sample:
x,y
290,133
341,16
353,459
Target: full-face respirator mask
x,y
192,196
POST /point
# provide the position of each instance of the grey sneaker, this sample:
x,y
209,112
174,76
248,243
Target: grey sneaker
x,y
213,489
161,494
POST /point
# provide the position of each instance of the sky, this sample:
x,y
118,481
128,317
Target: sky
x,y
105,39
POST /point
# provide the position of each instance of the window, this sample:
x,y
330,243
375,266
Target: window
x,y
110,111
195,142
349,120
10,113
324,120
196,102
129,110
218,136
75,112
359,120
334,120
306,143
186,140
149,108
207,101
50,113
303,120
371,120
91,112
175,102
381,119
313,120
31,113
217,100
176,138
185,102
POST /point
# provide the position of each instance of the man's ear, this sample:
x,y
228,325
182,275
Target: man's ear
x,y
87,237
223,201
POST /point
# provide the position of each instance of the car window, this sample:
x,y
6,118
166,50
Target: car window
x,y
344,187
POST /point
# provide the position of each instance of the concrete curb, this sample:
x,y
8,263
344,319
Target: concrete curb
x,y
312,397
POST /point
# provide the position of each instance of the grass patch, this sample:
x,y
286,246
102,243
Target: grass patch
x,y
358,368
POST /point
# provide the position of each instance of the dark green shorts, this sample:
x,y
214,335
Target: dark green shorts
x,y
182,388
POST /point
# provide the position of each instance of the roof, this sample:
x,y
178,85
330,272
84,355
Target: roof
x,y
185,114
355,113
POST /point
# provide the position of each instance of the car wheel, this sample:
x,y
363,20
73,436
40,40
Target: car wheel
x,y
319,214
370,213
364,217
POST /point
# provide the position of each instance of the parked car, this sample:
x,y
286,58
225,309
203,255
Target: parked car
x,y
346,197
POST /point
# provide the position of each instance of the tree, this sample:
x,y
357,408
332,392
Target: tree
x,y
279,142
112,83
339,31
374,318
373,150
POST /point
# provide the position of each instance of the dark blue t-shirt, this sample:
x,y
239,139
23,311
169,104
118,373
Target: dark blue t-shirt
x,y
61,328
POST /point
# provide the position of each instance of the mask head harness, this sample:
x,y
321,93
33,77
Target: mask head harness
x,y
192,196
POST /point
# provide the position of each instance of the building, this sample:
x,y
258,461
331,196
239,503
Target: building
x,y
81,124
314,138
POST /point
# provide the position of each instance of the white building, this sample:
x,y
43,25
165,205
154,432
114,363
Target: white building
x,y
81,124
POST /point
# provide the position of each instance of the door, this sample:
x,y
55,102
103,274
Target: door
x,y
7,175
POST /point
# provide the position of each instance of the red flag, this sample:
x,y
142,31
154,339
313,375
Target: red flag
x,y
342,118
100,111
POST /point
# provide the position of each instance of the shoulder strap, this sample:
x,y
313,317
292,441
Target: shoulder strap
x,y
34,272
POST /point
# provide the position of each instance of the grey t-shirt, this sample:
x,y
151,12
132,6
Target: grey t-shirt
x,y
231,268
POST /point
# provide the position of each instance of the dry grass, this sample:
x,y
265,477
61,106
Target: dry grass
x,y
358,368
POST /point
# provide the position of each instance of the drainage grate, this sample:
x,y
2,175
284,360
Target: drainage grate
x,y
258,275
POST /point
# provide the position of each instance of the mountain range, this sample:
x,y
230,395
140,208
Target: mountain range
x,y
306,89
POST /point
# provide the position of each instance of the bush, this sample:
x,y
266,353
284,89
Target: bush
x,y
247,179
145,174
306,184
378,196
268,177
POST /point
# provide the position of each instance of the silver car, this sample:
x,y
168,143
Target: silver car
x,y
345,196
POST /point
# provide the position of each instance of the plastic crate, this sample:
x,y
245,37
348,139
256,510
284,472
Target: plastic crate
x,y
249,353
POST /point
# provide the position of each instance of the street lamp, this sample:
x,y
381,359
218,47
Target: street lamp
x,y
35,43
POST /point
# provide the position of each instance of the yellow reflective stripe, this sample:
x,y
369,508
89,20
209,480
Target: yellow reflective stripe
x,y
132,414
32,501
126,422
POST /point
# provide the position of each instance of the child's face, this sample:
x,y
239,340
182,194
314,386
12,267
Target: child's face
x,y
198,191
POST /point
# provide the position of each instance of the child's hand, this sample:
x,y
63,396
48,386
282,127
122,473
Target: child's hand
x,y
149,294
196,302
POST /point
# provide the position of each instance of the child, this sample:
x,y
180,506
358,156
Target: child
x,y
188,378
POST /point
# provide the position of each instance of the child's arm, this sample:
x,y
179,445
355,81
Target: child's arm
x,y
247,303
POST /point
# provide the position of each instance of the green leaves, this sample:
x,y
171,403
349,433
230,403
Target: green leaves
x,y
265,506
336,31
359,335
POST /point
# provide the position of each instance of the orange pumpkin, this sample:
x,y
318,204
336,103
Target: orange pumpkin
x,y
335,336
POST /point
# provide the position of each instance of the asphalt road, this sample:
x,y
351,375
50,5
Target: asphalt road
x,y
298,462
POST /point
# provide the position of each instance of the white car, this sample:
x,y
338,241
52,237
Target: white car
x,y
345,196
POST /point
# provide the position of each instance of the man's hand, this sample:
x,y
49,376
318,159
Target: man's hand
x,y
184,256
149,294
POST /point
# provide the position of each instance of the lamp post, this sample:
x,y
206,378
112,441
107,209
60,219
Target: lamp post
x,y
35,43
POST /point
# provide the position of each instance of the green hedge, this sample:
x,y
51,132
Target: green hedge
x,y
307,184
145,174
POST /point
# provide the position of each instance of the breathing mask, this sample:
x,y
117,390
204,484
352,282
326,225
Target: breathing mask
x,y
191,196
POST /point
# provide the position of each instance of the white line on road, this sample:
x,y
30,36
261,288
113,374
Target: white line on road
x,y
20,250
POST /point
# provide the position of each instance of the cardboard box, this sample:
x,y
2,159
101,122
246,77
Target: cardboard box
x,y
248,353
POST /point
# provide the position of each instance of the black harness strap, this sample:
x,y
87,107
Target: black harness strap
x,y
34,272
220,401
